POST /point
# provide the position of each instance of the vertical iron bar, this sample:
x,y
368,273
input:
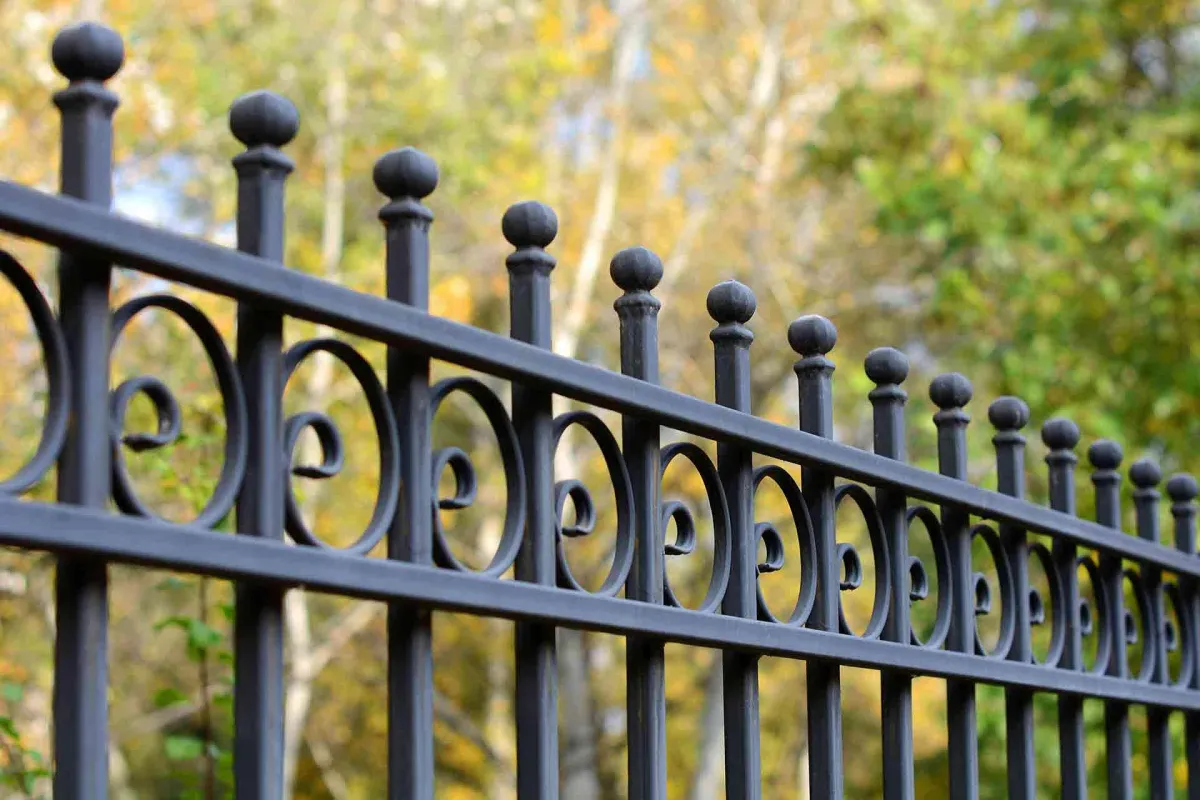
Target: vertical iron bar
x,y
87,55
530,227
812,337
405,177
1105,457
1060,436
1146,475
263,122
950,392
887,368
1182,489
1009,415
731,305
637,271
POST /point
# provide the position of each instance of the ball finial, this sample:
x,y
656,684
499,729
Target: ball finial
x,y
1182,488
529,224
263,119
950,390
731,302
1060,433
812,335
1145,473
886,365
406,172
87,51
1008,413
1105,454
636,269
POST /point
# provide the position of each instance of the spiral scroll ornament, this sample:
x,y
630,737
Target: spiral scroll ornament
x,y
685,525
466,483
919,576
54,357
333,448
806,593
982,591
851,562
167,412
584,507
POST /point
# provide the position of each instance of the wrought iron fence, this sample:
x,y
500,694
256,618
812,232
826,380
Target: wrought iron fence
x,y
84,436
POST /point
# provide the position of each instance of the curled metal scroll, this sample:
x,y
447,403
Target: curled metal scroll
x,y
54,357
333,449
1141,596
1048,610
851,563
919,577
169,419
585,508
465,483
983,594
685,525
1096,620
806,593
1179,637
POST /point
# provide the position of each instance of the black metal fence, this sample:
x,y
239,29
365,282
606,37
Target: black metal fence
x,y
83,435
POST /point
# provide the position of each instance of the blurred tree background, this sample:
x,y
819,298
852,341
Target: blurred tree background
x,y
1002,188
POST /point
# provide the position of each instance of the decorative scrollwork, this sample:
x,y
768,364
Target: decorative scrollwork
x,y
465,482
983,594
685,525
54,356
333,450
585,509
1043,610
919,578
1179,638
166,409
851,563
806,593
1096,620
1145,608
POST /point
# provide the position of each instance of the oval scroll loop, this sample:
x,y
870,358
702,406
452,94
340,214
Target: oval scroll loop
x,y
1048,609
806,592
1007,594
1141,596
333,449
1179,638
851,563
918,576
168,416
58,394
465,480
685,525
1098,617
585,508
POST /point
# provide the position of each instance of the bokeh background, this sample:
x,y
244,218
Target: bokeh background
x,y
1004,188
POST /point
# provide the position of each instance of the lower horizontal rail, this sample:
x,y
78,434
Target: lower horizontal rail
x,y
64,529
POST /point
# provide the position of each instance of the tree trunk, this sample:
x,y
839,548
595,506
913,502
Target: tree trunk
x,y
710,756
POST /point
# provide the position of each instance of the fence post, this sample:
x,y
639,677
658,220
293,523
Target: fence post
x,y
1060,436
1105,457
530,227
405,177
86,54
812,337
1009,415
1182,490
731,305
887,368
950,392
263,122
636,271
1146,475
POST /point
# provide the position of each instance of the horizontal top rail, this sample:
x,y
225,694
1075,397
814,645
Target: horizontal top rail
x,y
71,224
